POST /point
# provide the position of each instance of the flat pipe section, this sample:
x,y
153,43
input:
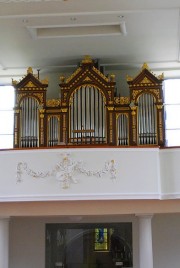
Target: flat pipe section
x,y
29,123
122,130
147,119
53,131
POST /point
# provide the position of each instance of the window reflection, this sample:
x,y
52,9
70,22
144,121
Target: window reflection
x,y
6,116
172,112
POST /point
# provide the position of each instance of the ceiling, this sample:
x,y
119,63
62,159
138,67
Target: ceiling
x,y
52,35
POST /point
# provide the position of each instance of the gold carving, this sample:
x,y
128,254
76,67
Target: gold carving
x,y
133,113
45,81
14,82
64,110
62,79
155,91
112,77
161,76
134,134
87,59
30,84
53,103
110,108
145,66
146,81
100,74
135,93
129,78
20,96
64,128
41,110
16,111
159,107
110,126
133,108
39,96
41,113
73,75
109,94
30,70
42,130
15,138
87,78
122,100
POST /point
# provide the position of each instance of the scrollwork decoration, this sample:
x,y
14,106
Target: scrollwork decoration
x,y
65,170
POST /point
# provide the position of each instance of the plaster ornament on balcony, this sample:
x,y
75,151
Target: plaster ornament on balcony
x,y
65,170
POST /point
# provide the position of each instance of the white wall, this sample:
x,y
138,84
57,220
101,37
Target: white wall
x,y
137,174
166,240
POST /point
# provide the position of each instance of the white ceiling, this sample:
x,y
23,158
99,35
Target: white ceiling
x,y
122,34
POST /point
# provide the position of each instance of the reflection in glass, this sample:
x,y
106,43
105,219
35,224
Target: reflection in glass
x,y
88,245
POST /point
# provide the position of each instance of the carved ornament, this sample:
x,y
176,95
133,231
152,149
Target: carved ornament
x,y
129,78
45,81
14,82
161,76
64,110
145,66
87,59
100,74
20,96
121,100
39,96
156,92
87,78
30,84
53,103
146,81
135,93
65,170
159,107
73,75
110,108
112,77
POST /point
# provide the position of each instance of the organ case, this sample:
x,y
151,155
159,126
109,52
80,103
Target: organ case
x,y
88,112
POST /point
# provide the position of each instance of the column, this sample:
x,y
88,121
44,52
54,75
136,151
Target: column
x,y
145,241
4,242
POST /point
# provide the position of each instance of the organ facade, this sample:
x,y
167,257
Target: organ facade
x,y
88,111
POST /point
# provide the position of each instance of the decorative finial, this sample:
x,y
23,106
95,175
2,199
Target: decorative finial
x,y
87,59
14,82
112,77
161,76
145,66
129,78
30,70
62,79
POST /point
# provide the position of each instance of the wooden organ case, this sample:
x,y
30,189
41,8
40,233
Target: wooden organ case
x,y
88,112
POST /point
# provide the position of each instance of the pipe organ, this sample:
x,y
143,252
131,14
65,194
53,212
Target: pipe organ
x,y
88,112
